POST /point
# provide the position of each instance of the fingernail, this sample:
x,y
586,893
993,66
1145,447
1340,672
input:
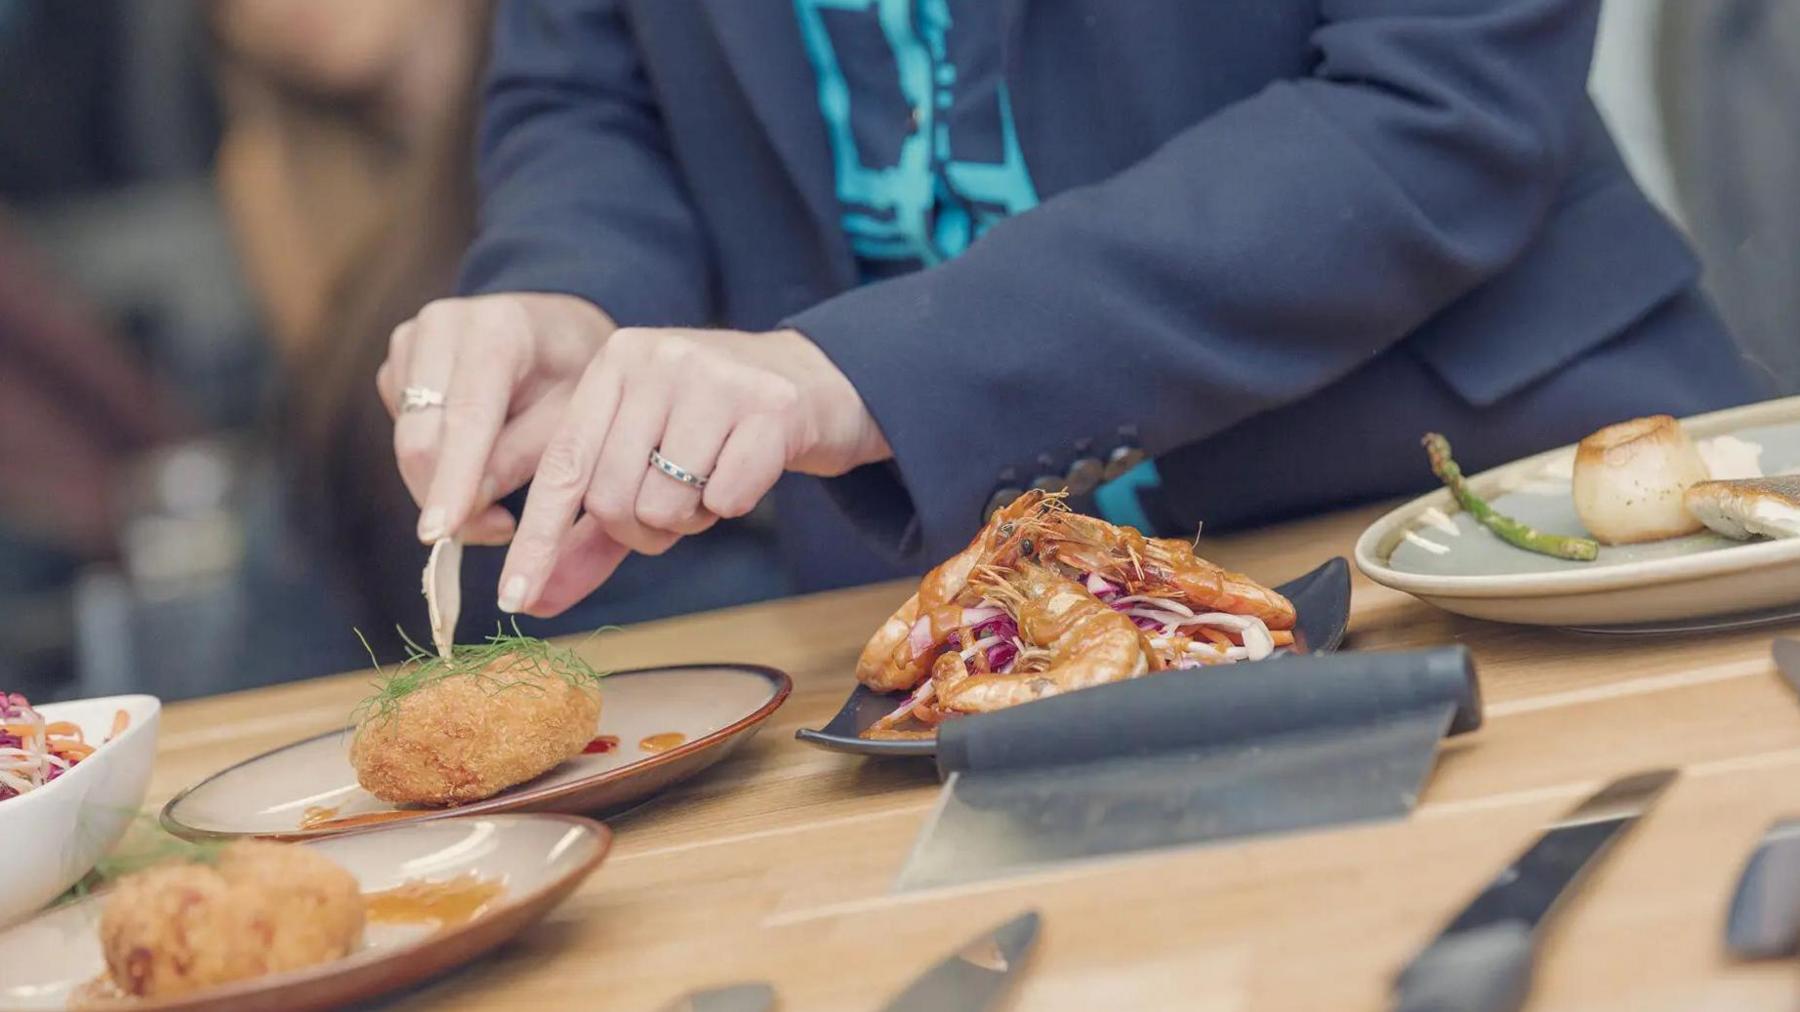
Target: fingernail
x,y
512,596
431,525
486,491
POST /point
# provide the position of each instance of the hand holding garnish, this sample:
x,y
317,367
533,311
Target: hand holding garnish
x,y
727,411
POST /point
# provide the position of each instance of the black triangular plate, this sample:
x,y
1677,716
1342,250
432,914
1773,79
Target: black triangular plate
x,y
1321,597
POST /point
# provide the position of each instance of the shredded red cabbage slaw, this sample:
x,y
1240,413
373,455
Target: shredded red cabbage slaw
x,y
35,751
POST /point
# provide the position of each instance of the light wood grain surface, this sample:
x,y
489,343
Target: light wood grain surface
x,y
777,865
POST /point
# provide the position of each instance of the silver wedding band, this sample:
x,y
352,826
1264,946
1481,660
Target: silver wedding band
x,y
420,398
676,471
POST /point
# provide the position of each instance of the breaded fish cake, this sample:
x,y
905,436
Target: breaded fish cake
x,y
260,908
464,737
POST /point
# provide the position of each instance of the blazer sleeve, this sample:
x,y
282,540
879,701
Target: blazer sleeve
x,y
1255,257
579,193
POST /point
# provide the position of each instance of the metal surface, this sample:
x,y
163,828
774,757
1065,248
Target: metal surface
x,y
1764,922
1787,661
754,997
974,977
996,823
1482,959
1784,615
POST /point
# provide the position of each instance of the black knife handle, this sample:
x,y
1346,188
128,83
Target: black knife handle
x,y
1216,707
1486,969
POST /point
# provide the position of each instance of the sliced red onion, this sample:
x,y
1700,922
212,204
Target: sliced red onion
x,y
919,637
1160,603
980,644
919,695
1001,657
1211,650
1258,644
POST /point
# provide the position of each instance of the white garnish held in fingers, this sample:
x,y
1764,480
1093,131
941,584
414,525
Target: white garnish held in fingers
x,y
443,593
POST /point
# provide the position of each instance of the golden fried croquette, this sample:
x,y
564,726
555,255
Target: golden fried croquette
x,y
259,908
464,737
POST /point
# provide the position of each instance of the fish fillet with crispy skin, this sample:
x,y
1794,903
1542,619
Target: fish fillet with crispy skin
x,y
1746,507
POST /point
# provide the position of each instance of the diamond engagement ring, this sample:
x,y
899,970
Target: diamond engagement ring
x,y
676,471
420,398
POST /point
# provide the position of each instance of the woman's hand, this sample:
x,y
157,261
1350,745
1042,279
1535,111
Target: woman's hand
x,y
735,408
506,366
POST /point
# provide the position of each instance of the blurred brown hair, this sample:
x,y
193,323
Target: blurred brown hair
x,y
335,433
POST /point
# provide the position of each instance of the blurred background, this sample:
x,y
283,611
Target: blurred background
x,y
212,213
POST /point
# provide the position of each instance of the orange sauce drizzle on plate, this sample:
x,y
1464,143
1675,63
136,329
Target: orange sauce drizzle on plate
x,y
317,817
663,742
446,904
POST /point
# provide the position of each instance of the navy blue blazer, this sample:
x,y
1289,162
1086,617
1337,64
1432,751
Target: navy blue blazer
x,y
1244,203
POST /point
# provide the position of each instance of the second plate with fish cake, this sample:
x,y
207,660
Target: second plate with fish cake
x,y
504,873
1431,550
657,726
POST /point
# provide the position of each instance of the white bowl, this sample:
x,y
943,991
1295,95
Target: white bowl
x,y
55,834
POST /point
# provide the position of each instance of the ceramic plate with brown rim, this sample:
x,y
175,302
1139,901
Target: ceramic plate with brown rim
x,y
1429,549
517,867
657,726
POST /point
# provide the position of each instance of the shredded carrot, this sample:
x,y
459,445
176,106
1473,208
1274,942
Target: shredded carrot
x,y
63,728
72,749
1217,636
1282,637
122,719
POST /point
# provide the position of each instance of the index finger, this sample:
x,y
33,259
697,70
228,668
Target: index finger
x,y
474,410
562,479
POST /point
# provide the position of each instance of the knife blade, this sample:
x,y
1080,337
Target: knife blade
x,y
1787,659
1482,960
752,997
972,978
1764,922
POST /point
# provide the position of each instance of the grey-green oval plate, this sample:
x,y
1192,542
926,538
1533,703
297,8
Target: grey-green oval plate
x,y
1681,579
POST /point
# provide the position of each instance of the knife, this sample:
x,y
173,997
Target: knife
x,y
1481,961
752,997
1765,912
1787,658
973,978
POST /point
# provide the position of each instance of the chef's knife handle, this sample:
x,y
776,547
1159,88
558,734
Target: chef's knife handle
x,y
1483,970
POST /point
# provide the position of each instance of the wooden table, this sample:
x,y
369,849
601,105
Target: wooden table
x,y
777,864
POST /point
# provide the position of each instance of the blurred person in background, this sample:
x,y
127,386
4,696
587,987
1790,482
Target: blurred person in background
x,y
76,408
1730,80
123,330
346,165
964,248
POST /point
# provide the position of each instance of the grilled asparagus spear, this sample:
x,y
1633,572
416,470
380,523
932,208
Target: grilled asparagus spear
x,y
1509,530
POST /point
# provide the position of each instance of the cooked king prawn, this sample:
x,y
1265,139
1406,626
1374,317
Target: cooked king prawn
x,y
1072,640
900,654
1164,568
1046,601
